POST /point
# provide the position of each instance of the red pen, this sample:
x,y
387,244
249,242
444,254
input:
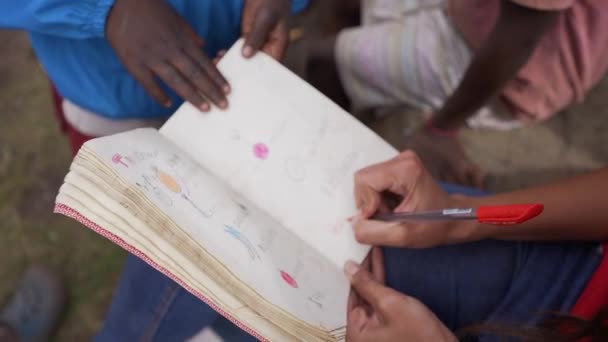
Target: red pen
x,y
495,214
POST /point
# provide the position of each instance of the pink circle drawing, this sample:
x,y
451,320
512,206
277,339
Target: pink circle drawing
x,y
289,279
260,150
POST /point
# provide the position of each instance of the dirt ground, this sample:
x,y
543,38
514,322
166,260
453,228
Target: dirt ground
x,y
34,157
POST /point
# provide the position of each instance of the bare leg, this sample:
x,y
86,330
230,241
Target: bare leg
x,y
322,71
312,56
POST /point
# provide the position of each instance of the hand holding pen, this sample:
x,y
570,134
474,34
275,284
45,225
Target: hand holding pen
x,y
401,205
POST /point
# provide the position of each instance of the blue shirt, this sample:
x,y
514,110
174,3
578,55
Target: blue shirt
x,y
69,39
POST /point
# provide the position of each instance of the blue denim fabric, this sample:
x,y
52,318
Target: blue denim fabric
x,y
502,281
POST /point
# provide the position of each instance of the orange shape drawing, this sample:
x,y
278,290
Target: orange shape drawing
x,y
169,182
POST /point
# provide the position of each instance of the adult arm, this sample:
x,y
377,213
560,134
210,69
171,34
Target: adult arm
x,y
575,208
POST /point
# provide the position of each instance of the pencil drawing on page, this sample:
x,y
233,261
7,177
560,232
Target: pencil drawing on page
x,y
295,169
178,188
160,182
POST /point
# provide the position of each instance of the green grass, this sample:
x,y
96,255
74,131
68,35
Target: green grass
x,y
34,157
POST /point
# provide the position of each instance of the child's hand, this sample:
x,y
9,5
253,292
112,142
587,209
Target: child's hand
x,y
383,314
404,181
265,27
152,40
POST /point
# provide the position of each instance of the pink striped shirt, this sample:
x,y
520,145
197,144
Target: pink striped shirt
x,y
570,59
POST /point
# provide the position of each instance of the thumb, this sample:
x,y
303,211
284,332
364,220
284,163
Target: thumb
x,y
394,176
368,200
406,205
277,42
258,32
369,289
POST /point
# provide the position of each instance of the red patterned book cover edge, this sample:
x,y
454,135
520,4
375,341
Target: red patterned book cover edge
x,y
71,213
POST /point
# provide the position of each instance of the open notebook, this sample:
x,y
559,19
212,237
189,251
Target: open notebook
x,y
246,208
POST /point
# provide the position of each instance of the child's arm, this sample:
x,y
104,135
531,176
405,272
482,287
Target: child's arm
x,y
504,53
501,56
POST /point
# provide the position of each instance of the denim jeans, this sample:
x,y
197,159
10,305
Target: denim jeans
x,y
506,281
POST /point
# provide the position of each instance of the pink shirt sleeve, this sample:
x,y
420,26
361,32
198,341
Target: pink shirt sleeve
x,y
546,5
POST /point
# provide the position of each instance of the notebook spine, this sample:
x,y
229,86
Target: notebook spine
x,y
71,213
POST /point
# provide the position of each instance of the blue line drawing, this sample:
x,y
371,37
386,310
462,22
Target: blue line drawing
x,y
253,254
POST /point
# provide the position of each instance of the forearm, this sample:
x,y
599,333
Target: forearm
x,y
66,18
575,209
491,68
498,60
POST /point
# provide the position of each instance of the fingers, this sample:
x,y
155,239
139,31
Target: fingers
x,y
264,22
277,43
390,201
174,79
377,265
407,204
194,77
368,200
198,40
371,291
192,74
208,78
147,80
378,233
370,183
219,56
353,300
395,175
355,322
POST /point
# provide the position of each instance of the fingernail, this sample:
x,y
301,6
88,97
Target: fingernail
x,y
351,268
226,89
204,107
168,104
223,104
247,51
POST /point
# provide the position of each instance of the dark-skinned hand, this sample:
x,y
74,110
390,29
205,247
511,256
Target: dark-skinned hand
x,y
153,41
265,27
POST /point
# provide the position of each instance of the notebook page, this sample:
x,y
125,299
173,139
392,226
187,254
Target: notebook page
x,y
286,148
253,247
